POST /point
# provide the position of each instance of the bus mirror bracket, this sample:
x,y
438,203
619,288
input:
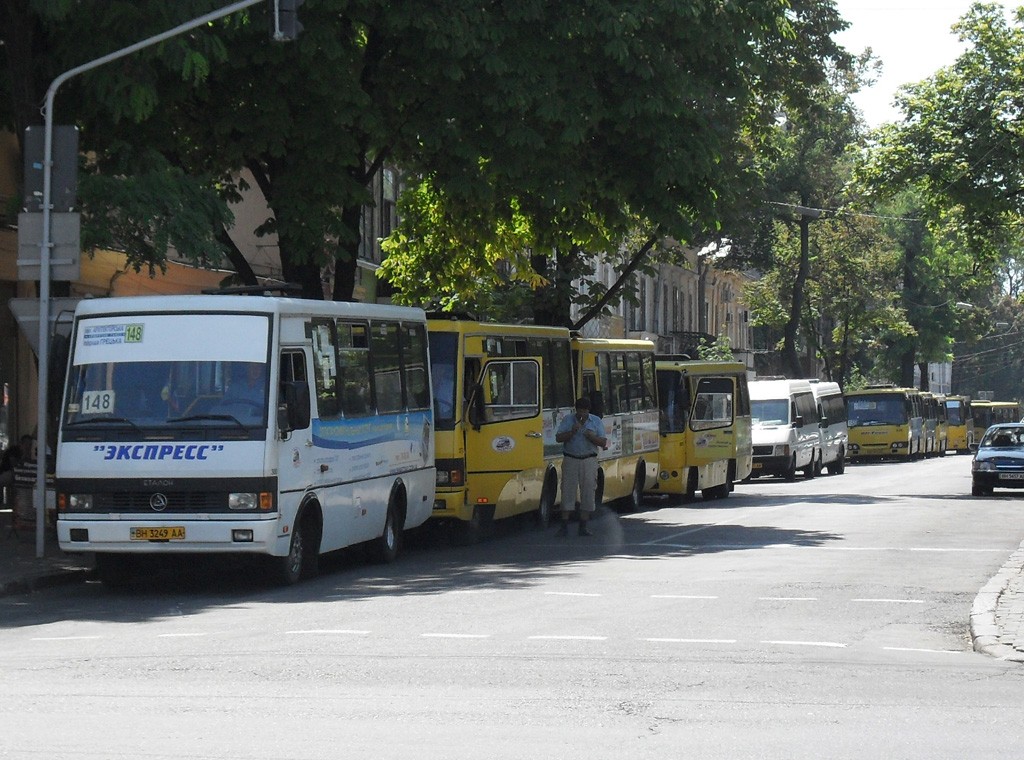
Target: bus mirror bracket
x,y
476,411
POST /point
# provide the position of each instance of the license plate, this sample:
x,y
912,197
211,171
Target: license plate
x,y
171,533
755,465
1011,476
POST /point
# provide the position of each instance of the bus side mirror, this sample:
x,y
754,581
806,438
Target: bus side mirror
x,y
798,422
293,413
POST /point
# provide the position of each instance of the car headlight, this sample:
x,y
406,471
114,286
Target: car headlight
x,y
983,466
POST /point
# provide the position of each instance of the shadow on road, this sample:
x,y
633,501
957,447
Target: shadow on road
x,y
516,555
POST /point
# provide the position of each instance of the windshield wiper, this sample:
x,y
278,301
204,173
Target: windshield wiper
x,y
219,417
109,418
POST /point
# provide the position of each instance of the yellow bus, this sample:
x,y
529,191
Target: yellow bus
x,y
705,428
961,424
618,378
988,413
499,391
933,416
884,422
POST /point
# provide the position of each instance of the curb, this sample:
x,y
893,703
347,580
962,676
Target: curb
x,y
45,581
985,632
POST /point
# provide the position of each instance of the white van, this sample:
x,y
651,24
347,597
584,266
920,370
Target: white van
x,y
785,428
834,431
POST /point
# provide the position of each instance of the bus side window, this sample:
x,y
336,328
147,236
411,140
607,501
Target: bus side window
x,y
325,367
354,368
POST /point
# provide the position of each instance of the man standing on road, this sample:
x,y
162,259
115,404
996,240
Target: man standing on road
x,y
582,436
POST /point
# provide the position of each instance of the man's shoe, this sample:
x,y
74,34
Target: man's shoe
x,y
563,530
584,530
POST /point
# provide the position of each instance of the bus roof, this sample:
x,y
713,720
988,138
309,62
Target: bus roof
x,y
242,303
698,367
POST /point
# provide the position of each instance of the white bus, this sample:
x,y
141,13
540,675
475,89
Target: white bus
x,y
243,424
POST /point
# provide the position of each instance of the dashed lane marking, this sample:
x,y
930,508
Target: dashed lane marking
x,y
832,644
455,635
787,598
689,641
682,596
567,593
567,638
329,632
927,651
890,601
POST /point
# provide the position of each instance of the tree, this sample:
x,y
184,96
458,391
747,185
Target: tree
x,y
649,130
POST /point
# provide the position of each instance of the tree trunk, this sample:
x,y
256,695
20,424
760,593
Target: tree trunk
x,y
789,353
346,258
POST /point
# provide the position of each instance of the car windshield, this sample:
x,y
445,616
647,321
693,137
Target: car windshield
x,y
1001,437
770,411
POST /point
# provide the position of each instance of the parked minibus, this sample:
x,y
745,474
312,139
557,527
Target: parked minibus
x,y
618,377
988,413
499,393
786,429
960,433
933,416
705,427
882,422
242,424
834,431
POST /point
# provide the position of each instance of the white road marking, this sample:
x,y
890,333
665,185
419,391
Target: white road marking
x,y
567,593
330,631
178,635
690,641
787,598
891,601
930,651
567,638
834,644
455,635
64,638
474,591
681,596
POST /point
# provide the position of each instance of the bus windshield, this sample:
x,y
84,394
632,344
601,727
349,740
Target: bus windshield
x,y
164,393
876,410
149,373
443,355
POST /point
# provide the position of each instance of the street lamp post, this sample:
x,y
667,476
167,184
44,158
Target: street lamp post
x,y
45,244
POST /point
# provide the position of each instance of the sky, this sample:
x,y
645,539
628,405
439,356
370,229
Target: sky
x,y
911,37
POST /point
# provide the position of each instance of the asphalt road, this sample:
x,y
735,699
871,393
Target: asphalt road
x,y
823,618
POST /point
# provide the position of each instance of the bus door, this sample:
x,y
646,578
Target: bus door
x,y
505,438
712,422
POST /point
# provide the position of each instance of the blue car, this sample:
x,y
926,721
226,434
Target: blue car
x,y
998,459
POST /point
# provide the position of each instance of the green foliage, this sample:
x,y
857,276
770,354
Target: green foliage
x,y
718,350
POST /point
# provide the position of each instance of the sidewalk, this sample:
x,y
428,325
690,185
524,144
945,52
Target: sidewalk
x,y
22,572
997,617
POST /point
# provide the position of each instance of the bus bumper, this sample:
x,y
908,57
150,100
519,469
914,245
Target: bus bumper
x,y
127,535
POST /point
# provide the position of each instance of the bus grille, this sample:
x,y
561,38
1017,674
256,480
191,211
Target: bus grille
x,y
177,501
763,451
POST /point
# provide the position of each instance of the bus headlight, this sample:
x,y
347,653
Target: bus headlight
x,y
782,451
79,501
242,501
